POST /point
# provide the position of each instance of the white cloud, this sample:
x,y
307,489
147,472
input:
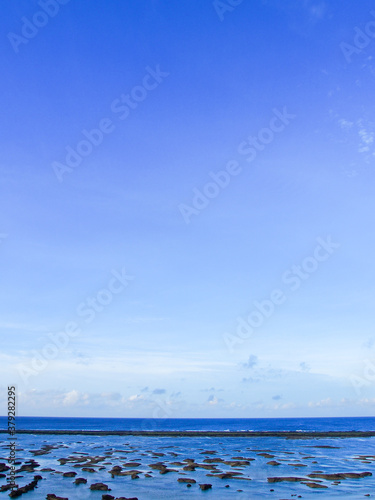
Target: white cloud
x,y
71,398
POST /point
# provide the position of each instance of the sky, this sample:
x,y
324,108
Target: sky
x,y
187,194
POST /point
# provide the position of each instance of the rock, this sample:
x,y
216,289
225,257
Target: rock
x,y
226,475
314,485
126,498
52,496
186,480
165,470
24,489
27,468
158,466
5,487
236,463
99,487
273,462
205,486
287,479
340,475
190,468
80,480
69,474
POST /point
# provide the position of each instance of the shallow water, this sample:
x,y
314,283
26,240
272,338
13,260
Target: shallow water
x,y
160,486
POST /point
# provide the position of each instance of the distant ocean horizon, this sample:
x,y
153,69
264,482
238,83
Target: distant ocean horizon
x,y
311,424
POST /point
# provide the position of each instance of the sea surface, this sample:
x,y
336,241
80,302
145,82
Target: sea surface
x,y
296,458
196,424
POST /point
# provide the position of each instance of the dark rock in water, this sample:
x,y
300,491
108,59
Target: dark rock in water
x,y
236,463
189,468
311,484
273,462
17,493
88,469
52,496
3,467
287,479
28,468
226,475
186,480
69,474
24,489
266,455
341,475
5,487
157,466
326,446
148,475
80,480
119,498
126,498
134,476
99,487
205,486
108,497
165,470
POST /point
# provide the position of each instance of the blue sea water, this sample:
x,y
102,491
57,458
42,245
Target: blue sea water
x,y
297,457
196,424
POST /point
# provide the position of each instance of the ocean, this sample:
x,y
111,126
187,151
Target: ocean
x,y
197,424
162,467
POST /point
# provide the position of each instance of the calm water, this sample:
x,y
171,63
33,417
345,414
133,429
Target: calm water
x,y
220,424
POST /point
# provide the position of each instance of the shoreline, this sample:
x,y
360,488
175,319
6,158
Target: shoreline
x,y
283,434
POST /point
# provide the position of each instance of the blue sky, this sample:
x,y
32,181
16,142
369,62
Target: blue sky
x,y
275,98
